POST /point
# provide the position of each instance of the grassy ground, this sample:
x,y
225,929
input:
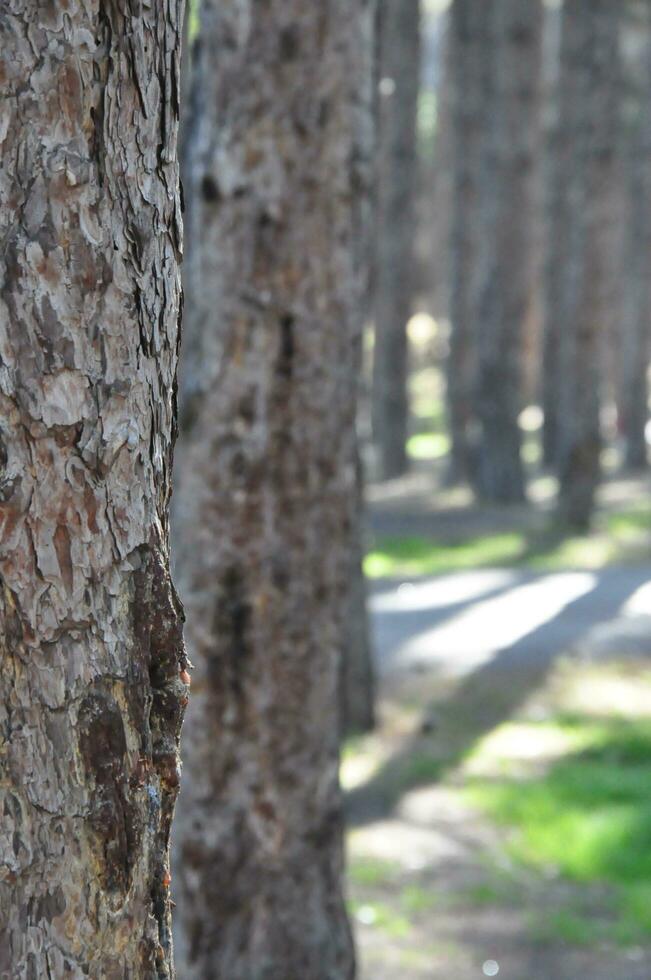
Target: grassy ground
x,y
622,536
502,826
542,824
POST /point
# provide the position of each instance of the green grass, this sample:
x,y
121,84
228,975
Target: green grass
x,y
410,556
622,536
588,818
369,872
381,915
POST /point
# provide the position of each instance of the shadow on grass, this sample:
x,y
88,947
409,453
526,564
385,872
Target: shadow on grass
x,y
487,697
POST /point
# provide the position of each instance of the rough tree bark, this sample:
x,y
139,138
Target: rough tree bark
x,y
91,685
468,54
399,69
267,494
589,75
510,93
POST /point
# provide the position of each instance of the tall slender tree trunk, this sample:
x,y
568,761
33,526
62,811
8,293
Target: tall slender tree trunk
x,y
558,171
635,333
469,53
399,44
590,73
91,685
511,92
267,495
358,675
437,177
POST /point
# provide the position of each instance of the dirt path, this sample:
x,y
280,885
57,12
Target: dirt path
x,y
434,895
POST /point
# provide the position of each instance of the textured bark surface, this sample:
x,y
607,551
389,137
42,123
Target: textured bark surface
x,y
90,691
267,495
399,71
510,93
589,77
469,58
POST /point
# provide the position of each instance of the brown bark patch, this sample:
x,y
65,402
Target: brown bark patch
x,y
113,826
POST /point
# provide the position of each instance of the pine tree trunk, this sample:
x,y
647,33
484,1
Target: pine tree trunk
x,y
635,335
469,53
590,73
510,95
558,175
358,675
267,497
399,44
91,692
435,203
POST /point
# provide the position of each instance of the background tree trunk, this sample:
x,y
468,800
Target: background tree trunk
x,y
437,179
558,176
635,336
358,676
589,75
399,45
469,52
91,696
267,496
510,91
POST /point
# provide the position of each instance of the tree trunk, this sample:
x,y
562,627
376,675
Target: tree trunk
x,y
635,332
91,686
468,53
510,92
590,85
267,494
437,176
396,227
558,175
358,676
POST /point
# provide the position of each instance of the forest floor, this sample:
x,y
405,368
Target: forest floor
x,y
500,814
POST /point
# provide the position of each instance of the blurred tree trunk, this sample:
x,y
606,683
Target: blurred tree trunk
x,y
558,175
590,86
636,303
469,53
267,499
358,680
511,96
399,45
435,205
91,693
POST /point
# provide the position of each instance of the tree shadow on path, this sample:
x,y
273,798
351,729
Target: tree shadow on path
x,y
490,695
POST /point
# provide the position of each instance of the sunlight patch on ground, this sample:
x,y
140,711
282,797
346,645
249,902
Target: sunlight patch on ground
x,y
357,767
411,847
519,749
474,636
445,590
639,604
600,690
